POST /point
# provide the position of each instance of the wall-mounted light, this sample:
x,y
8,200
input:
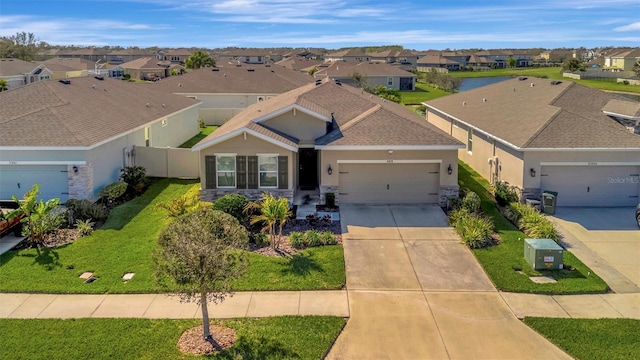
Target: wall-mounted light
x,y
390,152
449,170
329,170
75,169
532,172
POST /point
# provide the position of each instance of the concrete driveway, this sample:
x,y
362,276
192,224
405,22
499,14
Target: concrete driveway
x,y
605,239
415,292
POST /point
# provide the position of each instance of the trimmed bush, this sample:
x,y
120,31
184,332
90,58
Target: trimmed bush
x,y
136,179
234,205
296,239
328,238
85,210
475,230
533,223
261,239
471,202
330,200
184,204
85,227
312,238
113,191
505,193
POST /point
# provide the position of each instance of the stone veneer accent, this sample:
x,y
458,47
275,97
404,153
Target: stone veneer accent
x,y
251,194
328,189
448,192
81,183
531,193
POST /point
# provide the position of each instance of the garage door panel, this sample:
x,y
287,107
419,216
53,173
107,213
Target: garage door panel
x,y
18,179
593,185
389,183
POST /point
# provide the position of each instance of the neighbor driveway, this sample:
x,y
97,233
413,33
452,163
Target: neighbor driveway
x,y
415,292
605,239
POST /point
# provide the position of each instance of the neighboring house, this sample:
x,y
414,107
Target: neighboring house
x,y
347,55
19,72
149,69
226,90
332,139
72,136
622,60
126,55
299,63
405,58
250,56
438,62
177,56
91,54
542,135
375,74
63,68
478,62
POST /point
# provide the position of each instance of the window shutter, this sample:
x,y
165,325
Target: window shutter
x,y
241,172
252,172
210,172
283,172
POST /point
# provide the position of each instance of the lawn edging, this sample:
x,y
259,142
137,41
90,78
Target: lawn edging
x,y
505,263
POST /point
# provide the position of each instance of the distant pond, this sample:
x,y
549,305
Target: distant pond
x,y
472,83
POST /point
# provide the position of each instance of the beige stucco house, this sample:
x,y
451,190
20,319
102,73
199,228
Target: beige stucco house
x,y
542,135
330,138
226,90
72,136
18,72
374,74
622,60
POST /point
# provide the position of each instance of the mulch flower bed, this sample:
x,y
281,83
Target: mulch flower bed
x,y
285,248
192,342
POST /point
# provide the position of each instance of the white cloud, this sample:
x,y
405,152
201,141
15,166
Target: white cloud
x,y
631,27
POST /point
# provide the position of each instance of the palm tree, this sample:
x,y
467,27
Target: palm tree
x,y
4,85
199,59
274,213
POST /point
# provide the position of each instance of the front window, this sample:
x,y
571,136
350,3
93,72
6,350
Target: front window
x,y
268,168
389,81
470,140
226,171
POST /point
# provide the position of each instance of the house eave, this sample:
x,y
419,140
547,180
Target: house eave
x,y
286,109
389,147
239,132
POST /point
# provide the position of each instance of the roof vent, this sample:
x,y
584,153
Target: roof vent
x,y
179,84
464,103
251,70
532,85
267,65
65,81
522,78
238,65
556,82
148,105
101,78
164,106
484,99
215,69
93,86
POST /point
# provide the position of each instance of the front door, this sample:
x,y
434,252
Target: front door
x,y
308,169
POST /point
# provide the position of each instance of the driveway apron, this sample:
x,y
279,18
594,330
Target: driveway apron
x,y
416,292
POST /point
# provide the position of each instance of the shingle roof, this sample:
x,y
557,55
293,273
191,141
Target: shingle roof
x,y
565,115
69,64
236,79
144,63
347,69
10,67
361,119
50,113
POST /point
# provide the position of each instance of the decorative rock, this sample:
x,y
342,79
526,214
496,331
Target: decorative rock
x,y
128,276
86,275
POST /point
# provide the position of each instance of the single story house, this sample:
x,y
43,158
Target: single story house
x,y
375,74
18,72
149,69
226,90
330,138
72,136
544,135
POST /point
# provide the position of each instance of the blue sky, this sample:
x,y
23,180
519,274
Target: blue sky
x,y
331,24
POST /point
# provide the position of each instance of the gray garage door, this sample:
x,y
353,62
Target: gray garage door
x,y
593,185
18,179
389,183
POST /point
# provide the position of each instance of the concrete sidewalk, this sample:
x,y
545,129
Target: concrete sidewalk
x,y
592,306
161,306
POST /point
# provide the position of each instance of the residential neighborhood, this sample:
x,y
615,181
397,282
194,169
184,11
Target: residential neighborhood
x,y
204,181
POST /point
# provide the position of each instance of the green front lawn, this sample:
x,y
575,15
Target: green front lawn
x,y
423,92
587,339
308,337
203,134
125,243
501,261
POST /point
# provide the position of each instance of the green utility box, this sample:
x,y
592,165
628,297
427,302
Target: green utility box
x,y
543,254
549,200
